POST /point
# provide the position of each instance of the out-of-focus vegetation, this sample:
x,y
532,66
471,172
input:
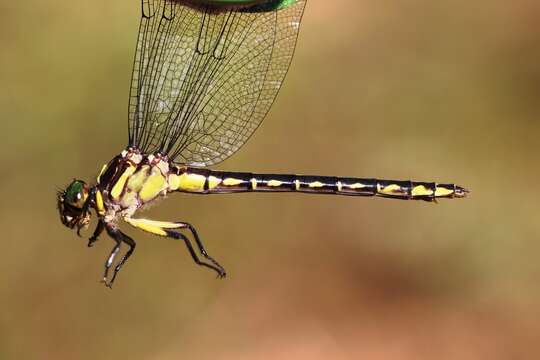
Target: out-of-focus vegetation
x,y
430,90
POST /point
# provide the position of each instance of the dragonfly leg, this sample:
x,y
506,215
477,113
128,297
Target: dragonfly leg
x,y
165,229
201,246
110,259
99,229
119,237
214,266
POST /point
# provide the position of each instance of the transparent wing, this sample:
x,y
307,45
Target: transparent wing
x,y
205,76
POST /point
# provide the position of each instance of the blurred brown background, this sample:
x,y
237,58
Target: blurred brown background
x,y
421,89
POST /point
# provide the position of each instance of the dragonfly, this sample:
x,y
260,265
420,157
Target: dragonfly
x,y
205,75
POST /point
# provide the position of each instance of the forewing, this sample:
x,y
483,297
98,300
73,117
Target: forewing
x,y
204,77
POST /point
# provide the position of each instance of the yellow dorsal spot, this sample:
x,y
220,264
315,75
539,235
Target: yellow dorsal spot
x,y
153,185
136,181
316,184
392,189
275,183
339,186
421,190
358,186
231,182
441,191
101,173
121,183
253,183
191,182
297,184
213,182
99,203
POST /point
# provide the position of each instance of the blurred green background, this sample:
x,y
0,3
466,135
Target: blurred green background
x,y
430,90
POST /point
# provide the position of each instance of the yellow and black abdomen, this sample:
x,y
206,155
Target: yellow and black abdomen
x,y
205,181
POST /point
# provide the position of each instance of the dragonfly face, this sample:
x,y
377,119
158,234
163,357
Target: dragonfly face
x,y
72,205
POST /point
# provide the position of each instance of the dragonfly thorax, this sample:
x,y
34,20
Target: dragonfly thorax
x,y
131,180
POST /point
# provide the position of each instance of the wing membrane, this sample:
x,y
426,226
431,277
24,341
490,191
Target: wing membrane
x,y
204,77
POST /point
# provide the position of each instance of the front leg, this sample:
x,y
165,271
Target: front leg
x,y
110,260
119,237
99,229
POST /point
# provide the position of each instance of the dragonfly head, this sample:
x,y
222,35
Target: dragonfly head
x,y
73,205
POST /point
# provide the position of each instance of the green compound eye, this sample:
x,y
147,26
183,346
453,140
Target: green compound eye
x,y
76,193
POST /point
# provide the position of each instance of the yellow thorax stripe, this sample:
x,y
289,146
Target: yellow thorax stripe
x,y
101,173
99,203
154,185
136,182
120,184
